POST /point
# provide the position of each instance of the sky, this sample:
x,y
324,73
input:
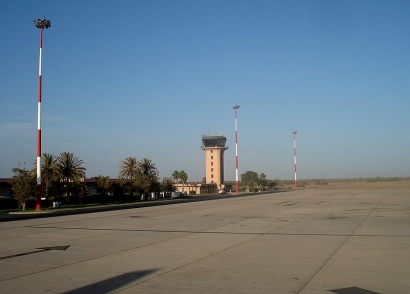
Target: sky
x,y
147,79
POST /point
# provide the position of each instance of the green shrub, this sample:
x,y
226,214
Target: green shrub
x,y
92,198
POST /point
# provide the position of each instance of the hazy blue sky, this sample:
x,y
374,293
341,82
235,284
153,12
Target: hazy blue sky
x,y
149,78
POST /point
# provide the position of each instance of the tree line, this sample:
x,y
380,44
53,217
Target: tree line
x,y
63,179
59,174
251,181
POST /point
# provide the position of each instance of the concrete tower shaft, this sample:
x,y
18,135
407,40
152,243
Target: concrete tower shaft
x,y
214,147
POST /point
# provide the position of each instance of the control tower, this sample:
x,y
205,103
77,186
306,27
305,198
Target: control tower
x,y
214,147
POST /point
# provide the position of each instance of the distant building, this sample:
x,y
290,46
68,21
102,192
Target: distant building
x,y
199,188
5,187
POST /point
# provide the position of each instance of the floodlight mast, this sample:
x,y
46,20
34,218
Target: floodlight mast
x,y
294,154
41,24
235,107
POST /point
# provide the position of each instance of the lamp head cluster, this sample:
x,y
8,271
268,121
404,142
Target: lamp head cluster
x,y
235,106
294,132
42,23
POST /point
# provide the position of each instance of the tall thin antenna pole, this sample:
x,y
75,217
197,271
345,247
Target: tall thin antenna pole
x,y
294,152
235,107
41,24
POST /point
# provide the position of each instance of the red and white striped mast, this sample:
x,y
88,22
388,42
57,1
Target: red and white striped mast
x,y
41,24
294,154
235,107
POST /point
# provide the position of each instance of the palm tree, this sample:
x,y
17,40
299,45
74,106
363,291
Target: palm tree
x,y
70,169
175,175
128,170
147,176
184,177
147,168
49,170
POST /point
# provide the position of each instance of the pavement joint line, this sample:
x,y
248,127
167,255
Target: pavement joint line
x,y
96,257
121,251
237,221
285,208
257,235
125,250
193,203
126,206
188,264
236,245
227,233
34,273
127,211
343,243
353,224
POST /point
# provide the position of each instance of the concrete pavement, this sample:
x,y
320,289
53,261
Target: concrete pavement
x,y
347,242
31,214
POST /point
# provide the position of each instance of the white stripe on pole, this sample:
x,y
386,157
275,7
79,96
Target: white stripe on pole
x,y
235,107
39,63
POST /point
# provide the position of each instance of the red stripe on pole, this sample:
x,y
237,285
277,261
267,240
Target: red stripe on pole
x,y
38,197
39,143
38,187
41,37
